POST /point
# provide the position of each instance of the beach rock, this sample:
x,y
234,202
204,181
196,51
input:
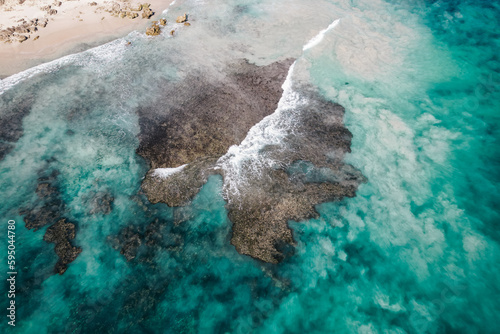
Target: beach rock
x,y
153,30
36,37
93,4
22,38
122,15
21,30
147,13
163,22
181,19
57,3
52,12
137,9
61,234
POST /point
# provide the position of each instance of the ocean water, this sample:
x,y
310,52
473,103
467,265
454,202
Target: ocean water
x,y
416,251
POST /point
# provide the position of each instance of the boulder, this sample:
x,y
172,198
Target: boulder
x,y
153,30
163,22
187,24
147,13
132,15
181,19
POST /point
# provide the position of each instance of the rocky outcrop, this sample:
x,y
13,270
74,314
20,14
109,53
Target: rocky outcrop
x,y
181,19
146,11
198,121
154,30
22,31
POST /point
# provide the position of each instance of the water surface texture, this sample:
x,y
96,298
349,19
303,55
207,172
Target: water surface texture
x,y
415,251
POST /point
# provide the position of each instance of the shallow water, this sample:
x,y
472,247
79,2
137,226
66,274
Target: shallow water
x,y
416,251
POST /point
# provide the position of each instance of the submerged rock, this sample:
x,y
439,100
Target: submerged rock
x,y
50,209
157,234
61,233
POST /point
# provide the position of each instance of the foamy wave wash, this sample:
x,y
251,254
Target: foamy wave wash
x,y
245,162
97,59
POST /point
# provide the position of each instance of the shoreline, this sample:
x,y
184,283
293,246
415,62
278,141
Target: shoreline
x,y
76,28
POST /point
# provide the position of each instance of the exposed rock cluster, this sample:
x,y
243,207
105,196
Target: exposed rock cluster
x,y
22,31
131,12
154,29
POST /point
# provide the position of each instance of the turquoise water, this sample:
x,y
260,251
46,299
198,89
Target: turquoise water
x,y
416,251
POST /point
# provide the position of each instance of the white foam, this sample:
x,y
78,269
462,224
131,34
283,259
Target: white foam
x,y
166,172
93,59
245,161
319,37
166,10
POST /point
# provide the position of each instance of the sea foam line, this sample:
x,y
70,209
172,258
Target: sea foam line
x,y
319,37
166,172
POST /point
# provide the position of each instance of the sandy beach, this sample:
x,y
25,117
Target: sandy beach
x,y
34,32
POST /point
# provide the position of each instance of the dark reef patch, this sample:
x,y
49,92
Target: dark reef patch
x,y
49,209
200,118
13,109
137,240
61,233
196,124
